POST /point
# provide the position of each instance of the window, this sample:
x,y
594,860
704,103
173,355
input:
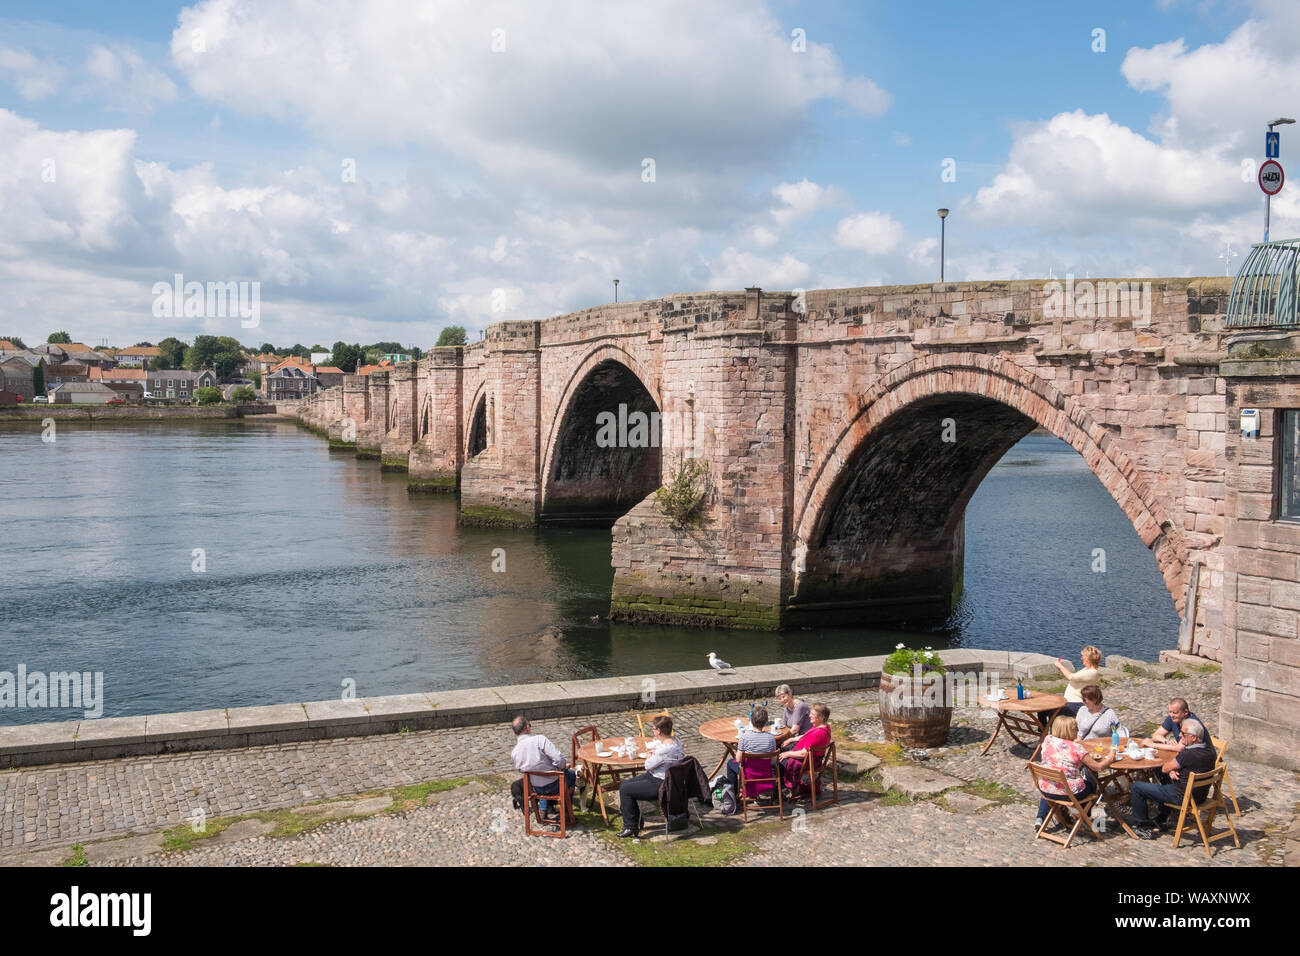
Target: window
x,y
1288,486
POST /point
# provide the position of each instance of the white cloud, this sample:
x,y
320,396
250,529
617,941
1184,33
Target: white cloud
x,y
122,78
875,233
35,78
735,269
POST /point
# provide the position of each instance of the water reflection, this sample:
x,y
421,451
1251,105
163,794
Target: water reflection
x,y
322,569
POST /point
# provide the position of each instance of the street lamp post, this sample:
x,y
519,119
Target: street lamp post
x,y
943,218
1268,199
615,290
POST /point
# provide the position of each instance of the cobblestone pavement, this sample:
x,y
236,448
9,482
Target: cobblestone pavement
x,y
59,806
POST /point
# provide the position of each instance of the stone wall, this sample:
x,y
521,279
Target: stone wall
x,y
1261,674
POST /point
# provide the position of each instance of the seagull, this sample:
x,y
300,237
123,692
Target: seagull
x,y
721,667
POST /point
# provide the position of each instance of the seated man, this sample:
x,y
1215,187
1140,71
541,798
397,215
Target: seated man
x,y
645,786
536,752
1194,756
753,740
1169,736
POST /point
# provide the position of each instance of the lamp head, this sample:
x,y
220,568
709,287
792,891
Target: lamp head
x,y
943,214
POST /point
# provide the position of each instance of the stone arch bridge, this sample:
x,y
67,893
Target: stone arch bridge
x,y
843,431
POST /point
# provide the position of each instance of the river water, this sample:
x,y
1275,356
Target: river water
x,y
227,564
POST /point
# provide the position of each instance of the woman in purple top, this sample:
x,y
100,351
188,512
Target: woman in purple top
x,y
796,711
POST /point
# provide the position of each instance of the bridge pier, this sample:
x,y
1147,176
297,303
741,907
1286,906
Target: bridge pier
x,y
435,458
370,435
403,389
501,485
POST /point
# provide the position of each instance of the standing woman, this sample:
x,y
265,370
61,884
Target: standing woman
x,y
1076,681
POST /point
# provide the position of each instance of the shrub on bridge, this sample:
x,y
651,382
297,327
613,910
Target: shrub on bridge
x,y
682,496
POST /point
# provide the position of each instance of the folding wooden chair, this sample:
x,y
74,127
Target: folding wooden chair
x,y
752,766
642,725
1062,805
533,804
1210,783
821,759
1221,753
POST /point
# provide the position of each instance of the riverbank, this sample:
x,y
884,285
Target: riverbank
x,y
133,413
440,797
236,727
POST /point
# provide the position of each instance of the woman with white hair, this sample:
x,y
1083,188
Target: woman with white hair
x,y
796,713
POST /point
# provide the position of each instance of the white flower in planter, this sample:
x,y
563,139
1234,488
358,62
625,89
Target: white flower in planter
x,y
898,647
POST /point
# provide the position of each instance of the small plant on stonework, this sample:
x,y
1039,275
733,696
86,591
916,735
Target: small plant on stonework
x,y
682,496
906,661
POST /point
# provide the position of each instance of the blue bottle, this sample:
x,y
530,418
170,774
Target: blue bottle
x,y
1114,737
1020,689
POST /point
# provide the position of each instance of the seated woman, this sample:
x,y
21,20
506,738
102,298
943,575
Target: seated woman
x,y
1076,681
667,750
795,759
1094,719
753,740
795,712
1062,751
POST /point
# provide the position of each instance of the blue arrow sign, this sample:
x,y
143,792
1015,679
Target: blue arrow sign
x,y
1272,145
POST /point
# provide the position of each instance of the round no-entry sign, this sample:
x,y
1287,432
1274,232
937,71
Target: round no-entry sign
x,y
1271,177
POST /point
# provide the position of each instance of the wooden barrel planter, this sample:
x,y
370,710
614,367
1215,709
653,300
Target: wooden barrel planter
x,y
916,712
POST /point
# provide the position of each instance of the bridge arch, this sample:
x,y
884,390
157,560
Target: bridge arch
x,y
476,431
881,523
583,482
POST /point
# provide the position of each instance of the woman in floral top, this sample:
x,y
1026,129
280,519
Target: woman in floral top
x,y
1061,751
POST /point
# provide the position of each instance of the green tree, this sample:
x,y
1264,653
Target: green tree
x,y
38,379
300,350
345,356
452,335
143,345
265,347
172,353
207,396
59,338
203,353
226,363
243,394
18,343
256,377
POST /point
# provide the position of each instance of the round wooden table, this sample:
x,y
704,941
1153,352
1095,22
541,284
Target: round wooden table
x,y
1124,768
724,731
1014,714
614,765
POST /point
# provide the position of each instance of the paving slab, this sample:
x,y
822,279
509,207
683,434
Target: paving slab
x,y
335,809
831,669
267,718
397,706
332,713
870,666
193,723
126,848
663,683
858,761
730,681
966,802
31,738
917,782
602,689
476,700
768,676
243,830
111,730
522,695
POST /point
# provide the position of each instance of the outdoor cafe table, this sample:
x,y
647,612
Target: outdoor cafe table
x,y
613,765
1015,715
723,730
1125,767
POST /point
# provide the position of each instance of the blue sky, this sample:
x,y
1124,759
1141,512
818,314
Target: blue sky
x,y
508,183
